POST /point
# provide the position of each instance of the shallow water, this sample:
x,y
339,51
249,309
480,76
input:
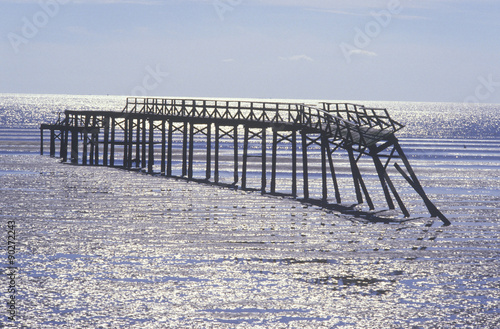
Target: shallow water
x,y
103,247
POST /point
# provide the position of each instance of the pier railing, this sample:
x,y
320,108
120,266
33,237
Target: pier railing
x,y
346,124
217,109
363,116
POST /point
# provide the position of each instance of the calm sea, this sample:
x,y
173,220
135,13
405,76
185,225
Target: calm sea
x,y
106,248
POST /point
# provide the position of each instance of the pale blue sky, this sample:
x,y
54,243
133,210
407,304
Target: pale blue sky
x,y
408,50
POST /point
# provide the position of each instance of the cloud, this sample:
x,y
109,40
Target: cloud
x,y
296,58
364,13
362,53
338,12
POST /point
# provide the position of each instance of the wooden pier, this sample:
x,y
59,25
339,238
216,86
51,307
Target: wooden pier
x,y
146,126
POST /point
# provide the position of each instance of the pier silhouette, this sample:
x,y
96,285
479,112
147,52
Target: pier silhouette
x,y
127,139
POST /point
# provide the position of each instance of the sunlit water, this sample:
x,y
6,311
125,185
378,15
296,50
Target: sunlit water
x,y
103,247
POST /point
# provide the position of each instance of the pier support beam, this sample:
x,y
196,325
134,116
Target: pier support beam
x,y
305,170
105,152
112,150
125,142
208,170
41,141
64,141
169,149
216,155
130,143
163,147
74,146
151,146
382,176
334,175
359,184
235,147
294,164
185,149
324,181
245,159
191,151
415,183
273,161
143,142
52,148
138,153
264,163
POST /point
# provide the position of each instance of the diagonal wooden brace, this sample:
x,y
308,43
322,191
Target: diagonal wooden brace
x,y
434,211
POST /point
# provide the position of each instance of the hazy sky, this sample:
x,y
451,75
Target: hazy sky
x,y
409,50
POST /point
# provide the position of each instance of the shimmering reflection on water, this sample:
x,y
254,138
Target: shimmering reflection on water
x,y
105,248
101,247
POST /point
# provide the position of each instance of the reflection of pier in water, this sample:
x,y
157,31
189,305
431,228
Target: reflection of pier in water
x,y
128,139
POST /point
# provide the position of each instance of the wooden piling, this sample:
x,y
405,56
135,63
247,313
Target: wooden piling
x,y
305,170
273,161
64,141
74,146
245,159
355,175
294,164
208,170
185,149
52,148
415,183
264,163
125,142
163,147
112,150
382,176
92,149
334,176
130,143
137,143
324,178
151,146
191,151
41,141
169,149
105,152
235,148
216,155
144,143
